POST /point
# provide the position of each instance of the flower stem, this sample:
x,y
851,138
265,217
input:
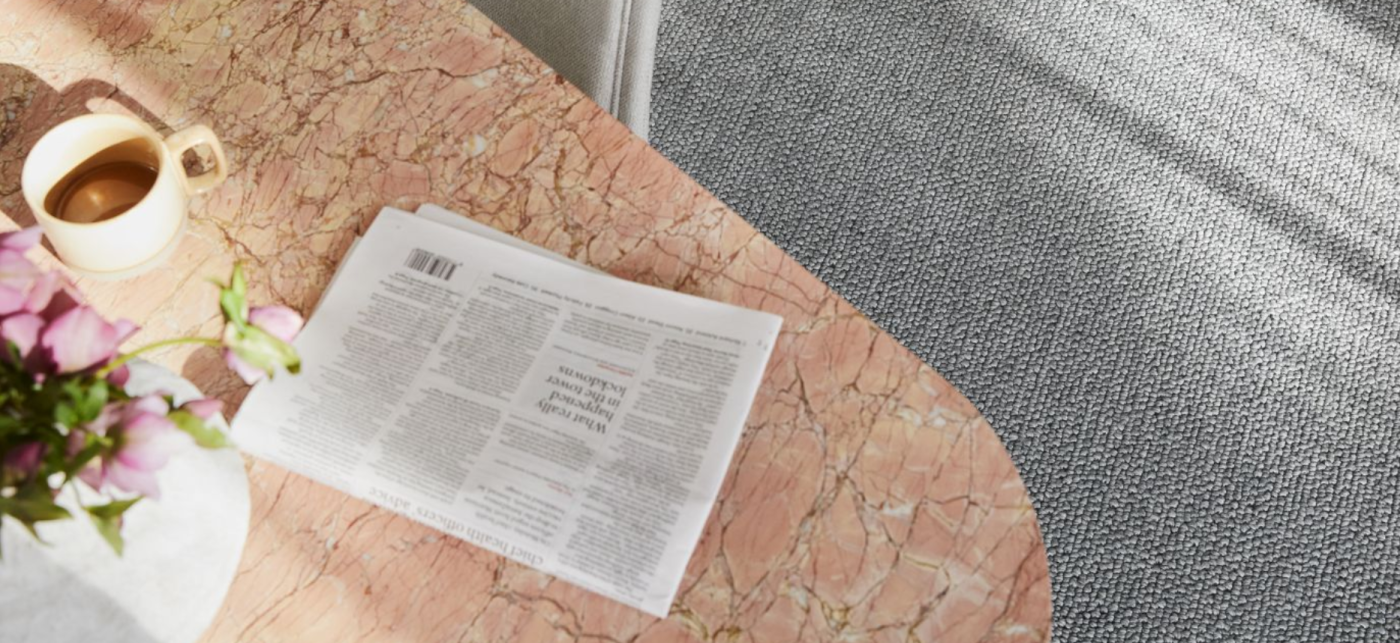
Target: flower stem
x,y
118,362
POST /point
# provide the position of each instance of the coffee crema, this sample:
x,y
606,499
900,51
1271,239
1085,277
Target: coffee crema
x,y
105,185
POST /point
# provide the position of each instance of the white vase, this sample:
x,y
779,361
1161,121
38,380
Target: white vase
x,y
180,556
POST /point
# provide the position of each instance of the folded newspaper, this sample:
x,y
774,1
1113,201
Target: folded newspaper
x,y
508,396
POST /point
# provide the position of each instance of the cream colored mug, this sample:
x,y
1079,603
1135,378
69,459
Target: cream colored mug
x,y
111,195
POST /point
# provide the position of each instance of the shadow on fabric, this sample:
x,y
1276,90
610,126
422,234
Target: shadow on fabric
x,y
1380,18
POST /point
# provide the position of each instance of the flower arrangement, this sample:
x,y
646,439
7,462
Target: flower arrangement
x,y
64,416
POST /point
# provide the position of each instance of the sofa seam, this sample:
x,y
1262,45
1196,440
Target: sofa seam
x,y
624,29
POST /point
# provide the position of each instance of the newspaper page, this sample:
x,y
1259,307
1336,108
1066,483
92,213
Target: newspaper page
x,y
566,419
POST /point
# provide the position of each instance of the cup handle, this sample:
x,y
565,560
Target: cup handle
x,y
189,137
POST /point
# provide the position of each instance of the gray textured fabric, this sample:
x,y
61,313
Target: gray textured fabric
x,y
1156,242
605,47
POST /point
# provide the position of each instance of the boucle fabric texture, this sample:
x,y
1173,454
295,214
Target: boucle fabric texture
x,y
1157,242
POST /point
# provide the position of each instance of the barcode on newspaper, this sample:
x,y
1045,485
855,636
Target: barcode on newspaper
x,y
431,264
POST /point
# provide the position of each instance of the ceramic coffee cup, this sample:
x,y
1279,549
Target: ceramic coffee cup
x,y
111,194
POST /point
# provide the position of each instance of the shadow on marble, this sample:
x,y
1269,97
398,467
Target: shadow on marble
x,y
206,368
29,107
118,24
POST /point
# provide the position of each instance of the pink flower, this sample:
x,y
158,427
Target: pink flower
x,y
22,461
245,371
64,299
148,442
119,377
81,339
279,321
92,473
23,286
21,240
145,440
22,331
203,409
264,344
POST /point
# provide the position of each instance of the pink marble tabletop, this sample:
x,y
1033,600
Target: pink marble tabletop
x,y
868,499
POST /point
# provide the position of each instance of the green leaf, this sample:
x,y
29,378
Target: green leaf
x,y
28,526
33,504
113,509
237,283
265,352
66,415
108,520
205,434
96,398
233,299
8,424
84,455
85,399
111,531
233,309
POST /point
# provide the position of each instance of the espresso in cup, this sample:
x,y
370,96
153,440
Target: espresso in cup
x,y
106,185
111,194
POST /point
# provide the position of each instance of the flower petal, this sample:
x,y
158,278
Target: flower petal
x,y
119,377
23,331
42,290
79,339
205,408
125,328
106,419
279,321
93,474
24,459
16,269
21,239
148,441
250,374
133,480
64,299
76,438
147,404
12,300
